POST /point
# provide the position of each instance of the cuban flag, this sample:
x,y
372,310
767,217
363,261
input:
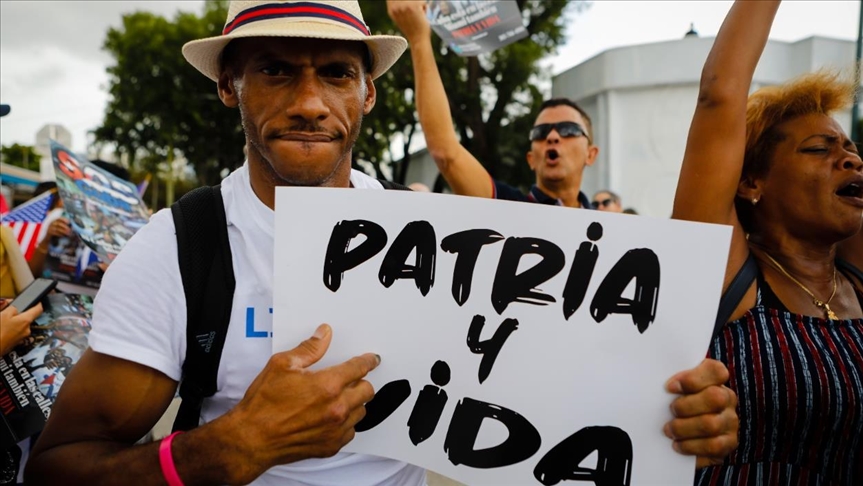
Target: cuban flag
x,y
26,221
87,258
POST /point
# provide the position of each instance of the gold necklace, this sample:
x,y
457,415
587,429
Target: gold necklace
x,y
818,303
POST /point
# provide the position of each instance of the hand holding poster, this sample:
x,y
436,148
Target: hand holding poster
x,y
520,344
104,210
32,374
472,27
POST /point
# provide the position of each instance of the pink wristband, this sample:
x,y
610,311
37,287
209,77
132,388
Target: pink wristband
x,y
166,460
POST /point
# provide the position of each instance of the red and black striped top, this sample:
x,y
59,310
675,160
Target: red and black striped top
x,y
799,382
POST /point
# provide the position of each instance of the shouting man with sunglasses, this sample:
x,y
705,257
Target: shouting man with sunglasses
x,y
560,142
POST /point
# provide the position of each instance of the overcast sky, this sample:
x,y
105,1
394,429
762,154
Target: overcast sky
x,y
52,68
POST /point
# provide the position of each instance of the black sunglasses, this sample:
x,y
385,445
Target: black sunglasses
x,y
604,203
564,129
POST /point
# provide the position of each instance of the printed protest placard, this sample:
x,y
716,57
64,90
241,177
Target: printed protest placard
x,y
69,260
104,210
31,375
472,27
520,343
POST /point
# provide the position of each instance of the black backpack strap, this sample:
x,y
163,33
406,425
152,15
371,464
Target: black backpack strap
x,y
735,292
393,185
208,282
850,269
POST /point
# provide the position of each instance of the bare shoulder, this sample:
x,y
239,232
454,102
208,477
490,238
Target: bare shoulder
x,y
851,250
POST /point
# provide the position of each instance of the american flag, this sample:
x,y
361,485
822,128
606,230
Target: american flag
x,y
26,221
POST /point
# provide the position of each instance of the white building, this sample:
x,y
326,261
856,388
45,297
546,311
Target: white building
x,y
43,147
641,100
422,168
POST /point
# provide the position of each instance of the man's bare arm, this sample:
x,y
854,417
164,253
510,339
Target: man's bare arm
x,y
715,147
463,172
106,404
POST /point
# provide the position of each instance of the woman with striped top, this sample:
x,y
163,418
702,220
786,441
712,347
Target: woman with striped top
x,y
779,169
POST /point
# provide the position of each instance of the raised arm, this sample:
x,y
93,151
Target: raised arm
x,y
713,160
288,413
465,175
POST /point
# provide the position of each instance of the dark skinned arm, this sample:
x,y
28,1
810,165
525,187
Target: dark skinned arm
x,y
713,160
462,171
106,404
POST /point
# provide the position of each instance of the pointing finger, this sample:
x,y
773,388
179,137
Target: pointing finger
x,y
355,368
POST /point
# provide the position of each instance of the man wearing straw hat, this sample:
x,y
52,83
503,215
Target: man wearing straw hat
x,y
301,75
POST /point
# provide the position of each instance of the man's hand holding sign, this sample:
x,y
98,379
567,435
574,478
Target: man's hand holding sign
x,y
520,344
317,421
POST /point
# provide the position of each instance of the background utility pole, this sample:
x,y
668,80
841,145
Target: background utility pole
x,y
855,110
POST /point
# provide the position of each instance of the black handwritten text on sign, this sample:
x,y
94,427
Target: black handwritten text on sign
x,y
509,286
613,445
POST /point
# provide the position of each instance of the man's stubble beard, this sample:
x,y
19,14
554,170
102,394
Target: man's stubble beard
x,y
278,180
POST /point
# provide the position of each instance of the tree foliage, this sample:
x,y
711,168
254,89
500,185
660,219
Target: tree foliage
x,y
493,97
160,106
24,156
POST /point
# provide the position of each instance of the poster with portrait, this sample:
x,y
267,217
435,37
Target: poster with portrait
x,y
520,343
32,374
69,260
103,210
472,27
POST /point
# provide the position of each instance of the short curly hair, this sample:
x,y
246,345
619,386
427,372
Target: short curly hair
x,y
824,92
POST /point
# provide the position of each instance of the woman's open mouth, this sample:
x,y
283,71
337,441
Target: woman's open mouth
x,y
852,193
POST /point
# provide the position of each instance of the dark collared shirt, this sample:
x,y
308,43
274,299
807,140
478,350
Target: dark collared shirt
x,y
509,193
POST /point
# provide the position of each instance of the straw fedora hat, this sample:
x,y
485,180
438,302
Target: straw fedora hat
x,y
321,19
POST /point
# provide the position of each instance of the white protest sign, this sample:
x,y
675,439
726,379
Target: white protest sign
x,y
520,343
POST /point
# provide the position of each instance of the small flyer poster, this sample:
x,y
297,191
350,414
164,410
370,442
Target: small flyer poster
x,y
31,375
472,27
69,260
520,344
103,210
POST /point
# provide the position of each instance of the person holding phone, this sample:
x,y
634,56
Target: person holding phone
x,y
15,326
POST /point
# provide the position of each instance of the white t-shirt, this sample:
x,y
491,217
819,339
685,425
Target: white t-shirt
x,y
140,316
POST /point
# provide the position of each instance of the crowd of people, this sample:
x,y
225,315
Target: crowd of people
x,y
776,401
